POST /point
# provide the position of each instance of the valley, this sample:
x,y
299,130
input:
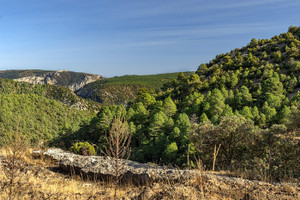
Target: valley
x,y
236,116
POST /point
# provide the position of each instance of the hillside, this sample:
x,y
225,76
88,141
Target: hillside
x,y
120,90
115,90
260,81
15,74
244,103
41,112
71,80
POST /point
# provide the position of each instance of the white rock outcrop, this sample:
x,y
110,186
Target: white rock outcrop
x,y
53,77
103,167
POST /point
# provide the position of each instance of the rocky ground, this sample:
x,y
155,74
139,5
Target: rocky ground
x,y
42,178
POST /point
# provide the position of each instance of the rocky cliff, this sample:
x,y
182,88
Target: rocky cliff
x,y
71,80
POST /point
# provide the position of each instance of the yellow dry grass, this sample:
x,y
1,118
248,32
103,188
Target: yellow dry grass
x,y
39,179
39,182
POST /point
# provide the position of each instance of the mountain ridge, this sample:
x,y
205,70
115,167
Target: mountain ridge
x,y
72,80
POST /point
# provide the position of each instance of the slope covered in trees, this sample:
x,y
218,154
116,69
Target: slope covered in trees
x,y
120,90
41,112
259,81
245,101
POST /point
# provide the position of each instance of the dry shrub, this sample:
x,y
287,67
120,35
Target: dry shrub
x,y
14,164
118,147
199,179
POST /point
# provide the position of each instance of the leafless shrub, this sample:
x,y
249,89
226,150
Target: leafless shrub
x,y
118,147
14,162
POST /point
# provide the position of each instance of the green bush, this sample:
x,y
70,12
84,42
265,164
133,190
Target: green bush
x,y
83,148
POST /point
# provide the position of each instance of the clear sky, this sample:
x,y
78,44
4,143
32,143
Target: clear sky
x,y
117,37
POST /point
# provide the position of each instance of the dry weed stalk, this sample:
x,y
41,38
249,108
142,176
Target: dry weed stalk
x,y
118,147
199,176
216,151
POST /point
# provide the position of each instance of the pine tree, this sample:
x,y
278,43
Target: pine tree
x,y
169,107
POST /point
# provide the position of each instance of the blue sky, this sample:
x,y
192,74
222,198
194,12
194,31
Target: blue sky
x,y
117,37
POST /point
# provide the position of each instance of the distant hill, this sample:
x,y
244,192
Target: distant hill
x,y
120,90
69,79
41,112
115,90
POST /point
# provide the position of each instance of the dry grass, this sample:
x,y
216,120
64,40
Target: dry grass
x,y
40,182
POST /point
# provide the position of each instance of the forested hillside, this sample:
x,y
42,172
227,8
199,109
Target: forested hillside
x,y
246,102
41,112
120,90
259,81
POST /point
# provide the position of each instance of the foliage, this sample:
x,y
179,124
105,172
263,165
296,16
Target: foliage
x,y
83,148
234,101
120,90
58,93
244,101
41,119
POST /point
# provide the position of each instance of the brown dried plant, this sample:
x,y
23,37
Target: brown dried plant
x,y
118,147
14,162
199,176
216,151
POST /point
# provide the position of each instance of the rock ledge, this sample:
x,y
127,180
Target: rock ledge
x,y
102,167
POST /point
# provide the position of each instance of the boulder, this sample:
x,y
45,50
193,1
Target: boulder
x,y
102,167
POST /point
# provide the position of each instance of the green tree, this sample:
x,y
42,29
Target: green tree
x,y
253,42
276,56
284,115
269,112
217,103
227,111
169,107
243,97
246,112
156,124
203,118
146,98
170,153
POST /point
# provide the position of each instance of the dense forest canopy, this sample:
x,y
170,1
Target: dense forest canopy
x,y
41,112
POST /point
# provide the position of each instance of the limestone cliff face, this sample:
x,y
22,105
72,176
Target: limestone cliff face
x,y
71,80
